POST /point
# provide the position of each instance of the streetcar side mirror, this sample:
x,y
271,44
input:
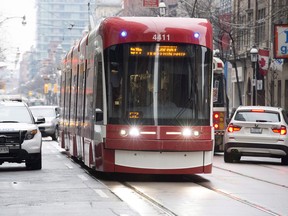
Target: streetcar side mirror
x,y
228,120
98,115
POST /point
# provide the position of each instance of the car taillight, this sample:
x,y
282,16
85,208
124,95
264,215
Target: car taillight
x,y
232,128
282,130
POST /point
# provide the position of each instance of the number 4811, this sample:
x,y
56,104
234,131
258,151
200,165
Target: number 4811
x,y
161,37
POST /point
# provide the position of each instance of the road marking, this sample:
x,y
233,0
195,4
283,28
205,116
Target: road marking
x,y
82,177
101,193
69,166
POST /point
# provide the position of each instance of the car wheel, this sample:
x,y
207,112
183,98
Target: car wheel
x,y
55,135
36,163
228,157
284,160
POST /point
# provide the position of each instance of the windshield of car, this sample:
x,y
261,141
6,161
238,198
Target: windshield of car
x,y
15,114
257,116
45,112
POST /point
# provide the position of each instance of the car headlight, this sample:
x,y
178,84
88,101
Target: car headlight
x,y
30,134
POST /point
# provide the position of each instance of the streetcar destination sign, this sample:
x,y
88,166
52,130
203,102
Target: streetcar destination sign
x,y
167,51
281,41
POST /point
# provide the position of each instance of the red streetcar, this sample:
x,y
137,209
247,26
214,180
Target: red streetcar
x,y
219,103
136,96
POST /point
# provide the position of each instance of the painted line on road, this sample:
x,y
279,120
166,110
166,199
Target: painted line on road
x,y
82,177
101,193
69,166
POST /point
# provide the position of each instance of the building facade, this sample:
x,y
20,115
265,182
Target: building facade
x,y
253,23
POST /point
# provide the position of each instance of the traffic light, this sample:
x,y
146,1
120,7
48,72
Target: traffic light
x,y
45,88
55,88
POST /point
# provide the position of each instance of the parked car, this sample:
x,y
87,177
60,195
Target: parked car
x,y
20,138
51,115
257,131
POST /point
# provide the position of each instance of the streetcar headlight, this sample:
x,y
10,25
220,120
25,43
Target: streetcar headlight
x,y
134,132
187,132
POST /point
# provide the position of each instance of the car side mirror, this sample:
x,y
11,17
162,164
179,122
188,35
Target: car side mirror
x,y
40,120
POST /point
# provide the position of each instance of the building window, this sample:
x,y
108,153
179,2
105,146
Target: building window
x,y
260,26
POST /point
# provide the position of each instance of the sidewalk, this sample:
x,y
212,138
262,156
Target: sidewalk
x,y
62,187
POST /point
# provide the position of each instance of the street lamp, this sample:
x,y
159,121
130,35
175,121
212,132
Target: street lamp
x,y
254,59
24,22
162,8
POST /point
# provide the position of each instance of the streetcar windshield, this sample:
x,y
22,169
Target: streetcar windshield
x,y
218,90
158,84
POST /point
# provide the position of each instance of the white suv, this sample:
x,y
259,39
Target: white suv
x,y
257,131
20,138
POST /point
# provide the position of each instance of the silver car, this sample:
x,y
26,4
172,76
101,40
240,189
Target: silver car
x,y
20,138
257,131
51,115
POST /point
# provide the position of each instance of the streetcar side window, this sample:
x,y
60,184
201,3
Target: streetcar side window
x,y
99,91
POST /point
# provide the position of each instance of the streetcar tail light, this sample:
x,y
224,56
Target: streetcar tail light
x,y
218,120
282,130
219,65
232,128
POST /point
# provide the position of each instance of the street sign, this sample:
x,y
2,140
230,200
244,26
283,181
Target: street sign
x,y
151,3
281,41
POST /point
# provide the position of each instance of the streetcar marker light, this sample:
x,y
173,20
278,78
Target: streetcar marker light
x,y
123,132
196,133
196,35
123,33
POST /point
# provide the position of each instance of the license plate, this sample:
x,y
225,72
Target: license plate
x,y
256,130
4,150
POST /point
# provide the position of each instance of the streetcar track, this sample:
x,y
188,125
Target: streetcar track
x,y
251,177
142,195
238,199
160,206
169,212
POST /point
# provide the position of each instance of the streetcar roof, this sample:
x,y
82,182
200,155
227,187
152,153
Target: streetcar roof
x,y
144,29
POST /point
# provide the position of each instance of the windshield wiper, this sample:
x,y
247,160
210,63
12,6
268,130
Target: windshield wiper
x,y
9,122
262,121
183,109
